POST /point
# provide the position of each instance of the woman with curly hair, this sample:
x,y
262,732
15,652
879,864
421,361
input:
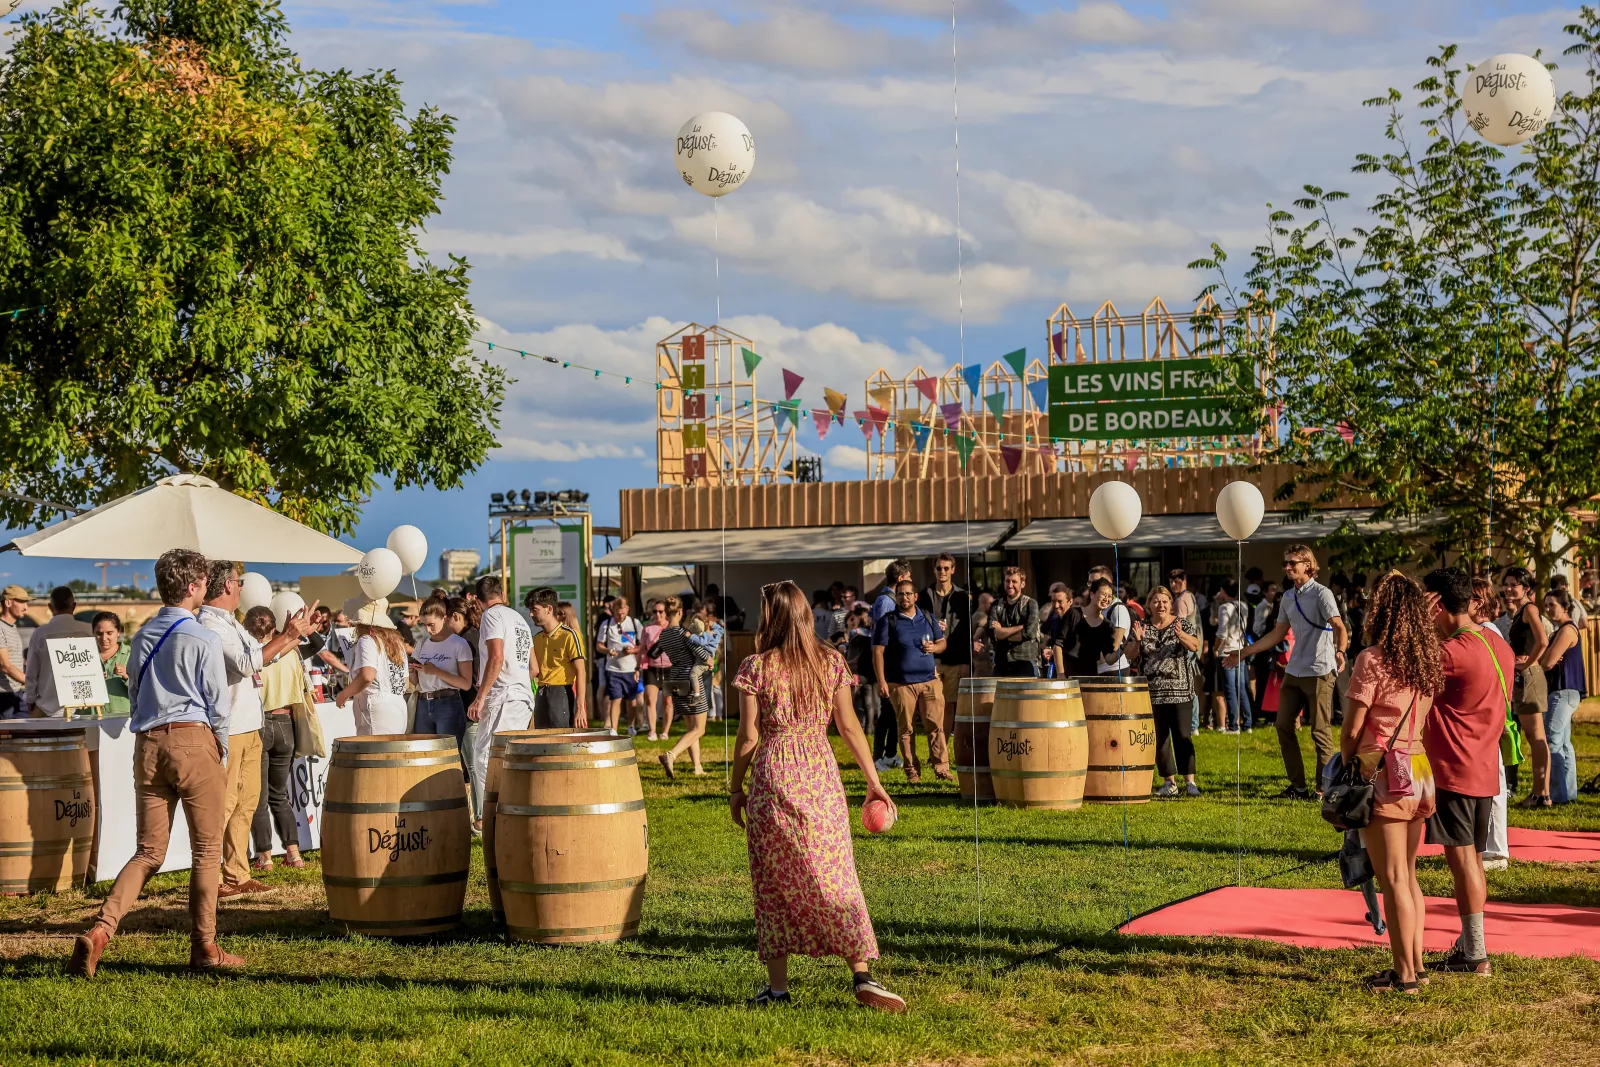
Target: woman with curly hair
x,y
1391,690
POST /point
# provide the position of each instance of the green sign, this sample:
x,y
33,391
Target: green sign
x,y
1155,379
1147,398
1206,416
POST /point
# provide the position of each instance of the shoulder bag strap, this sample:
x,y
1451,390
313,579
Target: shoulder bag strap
x,y
1505,691
149,659
1325,628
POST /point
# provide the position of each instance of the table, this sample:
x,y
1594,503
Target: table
x,y
111,757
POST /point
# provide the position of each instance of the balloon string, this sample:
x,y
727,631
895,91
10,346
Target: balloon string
x,y
716,252
955,111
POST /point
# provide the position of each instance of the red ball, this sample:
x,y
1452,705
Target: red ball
x,y
876,817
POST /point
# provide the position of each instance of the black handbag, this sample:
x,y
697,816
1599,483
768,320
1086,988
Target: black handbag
x,y
1347,802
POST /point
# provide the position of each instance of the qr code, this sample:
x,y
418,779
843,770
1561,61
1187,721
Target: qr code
x,y
81,690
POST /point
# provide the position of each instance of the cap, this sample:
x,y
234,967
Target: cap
x,y
1252,588
16,592
363,612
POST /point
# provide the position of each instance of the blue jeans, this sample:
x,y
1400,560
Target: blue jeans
x,y
443,713
1561,703
1236,695
1194,714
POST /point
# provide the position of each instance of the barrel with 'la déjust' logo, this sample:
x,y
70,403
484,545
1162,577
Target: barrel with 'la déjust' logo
x,y
396,839
1038,743
46,810
1122,739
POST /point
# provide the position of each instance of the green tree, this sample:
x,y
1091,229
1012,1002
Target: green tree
x,y
1440,357
219,253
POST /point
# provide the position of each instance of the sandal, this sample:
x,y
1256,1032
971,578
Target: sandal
x,y
1389,982
666,765
1537,801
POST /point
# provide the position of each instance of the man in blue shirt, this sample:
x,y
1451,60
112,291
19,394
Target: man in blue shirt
x,y
892,576
180,710
904,643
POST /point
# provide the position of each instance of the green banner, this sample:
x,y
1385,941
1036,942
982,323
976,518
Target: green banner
x,y
1153,379
1128,419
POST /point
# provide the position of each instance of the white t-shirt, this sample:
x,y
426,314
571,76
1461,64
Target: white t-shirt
x,y
391,679
241,660
627,632
503,624
447,655
1120,619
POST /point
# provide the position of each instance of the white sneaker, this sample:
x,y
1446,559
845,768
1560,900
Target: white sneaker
x,y
898,762
884,764
1499,864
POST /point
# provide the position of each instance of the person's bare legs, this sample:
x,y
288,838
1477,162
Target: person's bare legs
x,y
652,697
1385,841
691,741
1539,746
1414,832
666,729
778,973
1466,876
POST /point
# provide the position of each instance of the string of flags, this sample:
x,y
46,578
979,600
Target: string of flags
x,y
877,417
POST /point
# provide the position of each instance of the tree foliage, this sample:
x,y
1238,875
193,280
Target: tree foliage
x,y
1441,357
224,248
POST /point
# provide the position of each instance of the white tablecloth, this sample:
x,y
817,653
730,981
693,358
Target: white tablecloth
x,y
113,742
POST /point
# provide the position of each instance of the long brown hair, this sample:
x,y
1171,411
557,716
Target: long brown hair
x,y
1398,626
788,635
388,639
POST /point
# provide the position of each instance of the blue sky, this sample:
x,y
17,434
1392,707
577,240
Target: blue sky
x,y
1103,146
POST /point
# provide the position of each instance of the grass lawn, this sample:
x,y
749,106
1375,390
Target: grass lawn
x,y
1005,952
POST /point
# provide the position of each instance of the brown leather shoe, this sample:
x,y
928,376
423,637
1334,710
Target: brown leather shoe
x,y
243,889
212,957
86,953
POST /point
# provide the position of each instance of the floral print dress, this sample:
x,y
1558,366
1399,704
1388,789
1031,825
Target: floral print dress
x,y
808,898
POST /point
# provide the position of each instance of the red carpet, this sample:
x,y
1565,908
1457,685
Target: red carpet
x,y
1542,846
1333,918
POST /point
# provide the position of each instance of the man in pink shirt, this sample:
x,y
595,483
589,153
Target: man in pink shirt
x,y
1462,739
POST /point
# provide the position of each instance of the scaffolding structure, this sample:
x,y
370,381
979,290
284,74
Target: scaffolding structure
x,y
711,426
1020,436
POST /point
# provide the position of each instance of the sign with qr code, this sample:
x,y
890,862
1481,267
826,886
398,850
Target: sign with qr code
x,y
80,680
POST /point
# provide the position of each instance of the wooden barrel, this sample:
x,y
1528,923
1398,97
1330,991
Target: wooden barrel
x,y
1038,743
46,810
974,703
396,835
491,796
571,840
1122,739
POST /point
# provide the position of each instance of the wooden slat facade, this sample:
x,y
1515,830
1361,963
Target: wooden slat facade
x,y
1021,498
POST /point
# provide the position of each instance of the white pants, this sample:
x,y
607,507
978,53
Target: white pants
x,y
498,714
1497,848
380,713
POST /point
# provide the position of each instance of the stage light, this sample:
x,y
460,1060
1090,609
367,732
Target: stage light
x,y
541,498
527,497
497,498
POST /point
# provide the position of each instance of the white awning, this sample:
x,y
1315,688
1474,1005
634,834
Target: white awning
x,y
1195,530
784,543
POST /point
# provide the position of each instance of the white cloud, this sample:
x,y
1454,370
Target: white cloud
x,y
844,462
563,451
528,244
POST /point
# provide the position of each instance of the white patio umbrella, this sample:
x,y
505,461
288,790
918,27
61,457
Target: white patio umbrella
x,y
185,511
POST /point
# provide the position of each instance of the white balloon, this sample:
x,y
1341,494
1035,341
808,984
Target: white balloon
x,y
1239,509
378,572
411,546
715,153
8,6
1508,98
254,589
283,605
1114,508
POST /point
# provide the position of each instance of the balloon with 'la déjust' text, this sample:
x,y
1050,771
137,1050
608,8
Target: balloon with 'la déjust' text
x,y
715,153
1508,98
1240,507
411,546
284,605
378,572
1115,510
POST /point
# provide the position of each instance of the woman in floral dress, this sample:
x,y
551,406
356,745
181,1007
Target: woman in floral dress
x,y
807,896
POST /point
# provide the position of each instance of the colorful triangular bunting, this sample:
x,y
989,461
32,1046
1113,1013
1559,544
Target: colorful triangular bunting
x,y
972,374
928,387
791,383
921,432
1040,392
952,414
751,361
1058,342
836,401
965,442
882,396
864,420
822,420
1012,454
997,405
1016,360
878,416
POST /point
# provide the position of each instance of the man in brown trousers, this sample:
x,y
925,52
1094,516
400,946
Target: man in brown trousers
x,y
179,695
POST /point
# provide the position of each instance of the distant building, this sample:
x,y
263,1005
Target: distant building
x,y
458,564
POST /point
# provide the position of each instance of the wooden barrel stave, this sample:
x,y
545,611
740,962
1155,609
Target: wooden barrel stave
x,y
1038,744
572,843
974,707
1122,739
396,835
47,810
